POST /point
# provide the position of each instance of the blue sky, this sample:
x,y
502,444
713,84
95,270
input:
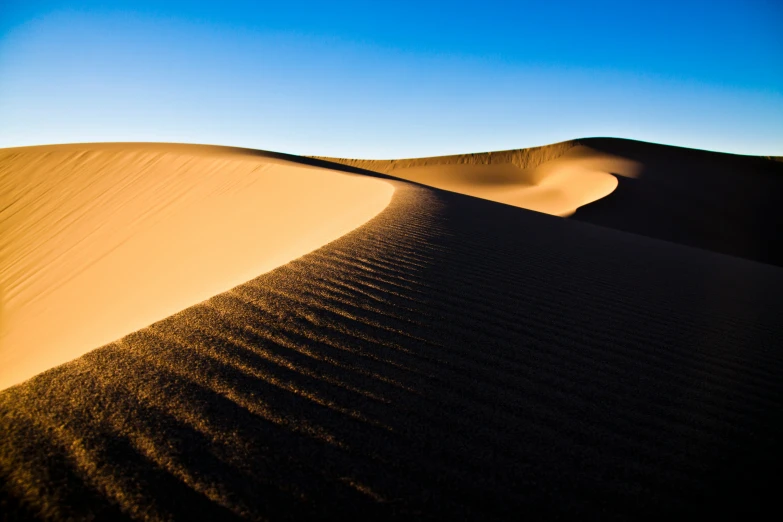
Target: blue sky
x,y
393,79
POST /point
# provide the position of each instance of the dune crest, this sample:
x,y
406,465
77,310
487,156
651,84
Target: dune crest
x,y
100,240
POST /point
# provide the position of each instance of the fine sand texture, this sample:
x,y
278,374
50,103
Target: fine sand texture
x,y
720,202
97,241
452,358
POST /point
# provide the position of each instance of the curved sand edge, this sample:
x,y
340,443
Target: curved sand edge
x,y
555,179
100,240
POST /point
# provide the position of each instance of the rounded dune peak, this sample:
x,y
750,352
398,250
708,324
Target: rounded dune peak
x,y
100,240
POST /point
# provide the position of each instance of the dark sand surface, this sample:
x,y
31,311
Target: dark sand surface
x,y
721,202
453,358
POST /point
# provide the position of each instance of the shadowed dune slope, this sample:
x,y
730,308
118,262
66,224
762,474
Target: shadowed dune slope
x,y
720,202
453,358
99,240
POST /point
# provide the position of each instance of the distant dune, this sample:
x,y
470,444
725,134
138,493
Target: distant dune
x,y
97,241
556,179
720,202
427,355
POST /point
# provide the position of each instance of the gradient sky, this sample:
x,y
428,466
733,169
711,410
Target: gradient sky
x,y
393,78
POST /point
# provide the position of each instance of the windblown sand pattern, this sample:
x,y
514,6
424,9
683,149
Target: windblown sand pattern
x,y
453,358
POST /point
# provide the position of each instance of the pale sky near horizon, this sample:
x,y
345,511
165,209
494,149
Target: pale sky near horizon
x,y
393,79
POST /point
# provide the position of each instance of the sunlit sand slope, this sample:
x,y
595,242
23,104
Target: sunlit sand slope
x,y
720,202
555,179
451,359
97,241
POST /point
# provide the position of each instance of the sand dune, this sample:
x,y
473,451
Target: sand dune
x,y
720,202
452,358
97,241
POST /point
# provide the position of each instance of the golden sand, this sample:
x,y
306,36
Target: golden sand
x,y
97,241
